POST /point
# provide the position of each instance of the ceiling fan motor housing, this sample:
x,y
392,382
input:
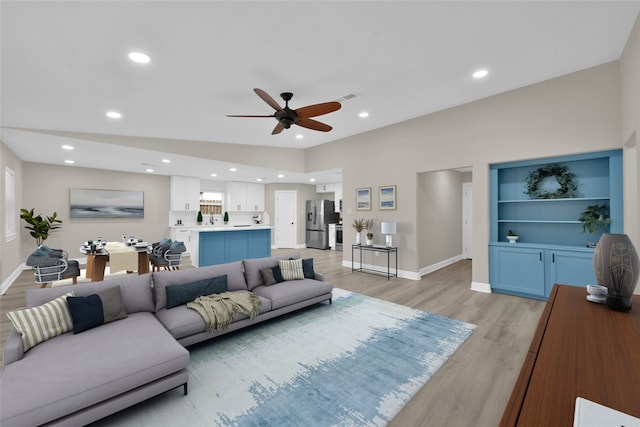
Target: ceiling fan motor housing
x,y
286,117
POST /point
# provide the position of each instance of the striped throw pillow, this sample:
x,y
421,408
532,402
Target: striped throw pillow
x,y
38,324
291,269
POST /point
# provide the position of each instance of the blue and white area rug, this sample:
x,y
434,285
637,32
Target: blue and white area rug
x,y
356,362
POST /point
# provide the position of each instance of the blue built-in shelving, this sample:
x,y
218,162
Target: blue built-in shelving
x,y
552,247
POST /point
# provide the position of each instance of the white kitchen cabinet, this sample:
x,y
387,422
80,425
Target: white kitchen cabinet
x,y
337,187
185,193
245,197
325,188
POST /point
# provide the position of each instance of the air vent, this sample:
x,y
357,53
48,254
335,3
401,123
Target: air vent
x,y
350,96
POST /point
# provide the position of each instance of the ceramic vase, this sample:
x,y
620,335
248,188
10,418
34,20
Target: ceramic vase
x,y
358,238
616,266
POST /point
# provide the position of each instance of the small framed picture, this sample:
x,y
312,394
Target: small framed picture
x,y
387,197
363,199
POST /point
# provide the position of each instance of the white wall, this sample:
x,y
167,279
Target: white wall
x,y
576,113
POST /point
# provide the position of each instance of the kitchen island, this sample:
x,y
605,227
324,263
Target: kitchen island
x,y
211,245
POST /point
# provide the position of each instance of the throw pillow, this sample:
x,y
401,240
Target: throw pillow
x,y
184,293
277,274
42,250
96,309
291,269
307,268
38,324
267,276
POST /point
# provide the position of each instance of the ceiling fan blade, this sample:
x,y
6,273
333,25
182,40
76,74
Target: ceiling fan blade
x,y
276,130
268,99
236,115
318,109
313,124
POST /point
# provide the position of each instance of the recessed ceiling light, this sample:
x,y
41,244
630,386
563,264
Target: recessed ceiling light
x,y
280,175
69,162
139,57
114,115
233,169
214,175
480,74
363,115
166,161
312,179
149,170
67,147
299,136
259,179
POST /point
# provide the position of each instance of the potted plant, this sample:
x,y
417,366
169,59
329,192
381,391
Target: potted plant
x,y
358,225
594,217
199,219
40,227
226,217
368,225
512,236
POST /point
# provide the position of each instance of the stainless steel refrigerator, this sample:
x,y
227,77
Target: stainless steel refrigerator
x,y
320,213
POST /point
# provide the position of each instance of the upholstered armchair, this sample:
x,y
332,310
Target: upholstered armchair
x,y
52,264
166,254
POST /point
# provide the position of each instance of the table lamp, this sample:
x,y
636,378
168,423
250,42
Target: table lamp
x,y
388,228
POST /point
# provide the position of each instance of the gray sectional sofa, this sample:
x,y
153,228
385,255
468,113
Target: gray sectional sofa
x,y
74,379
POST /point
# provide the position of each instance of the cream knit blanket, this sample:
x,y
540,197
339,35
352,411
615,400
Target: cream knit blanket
x,y
218,310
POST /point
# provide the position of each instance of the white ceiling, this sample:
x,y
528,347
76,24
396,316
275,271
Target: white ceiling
x,y
64,65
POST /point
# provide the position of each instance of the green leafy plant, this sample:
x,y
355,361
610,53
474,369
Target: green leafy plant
x,y
226,217
563,177
39,226
594,217
511,233
199,219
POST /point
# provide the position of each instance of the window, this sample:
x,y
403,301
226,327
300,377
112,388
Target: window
x,y
211,203
9,204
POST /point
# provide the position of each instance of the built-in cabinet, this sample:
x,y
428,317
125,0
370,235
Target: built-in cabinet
x,y
221,247
185,193
244,197
336,189
552,247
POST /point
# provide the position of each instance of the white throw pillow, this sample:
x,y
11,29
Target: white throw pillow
x,y
38,324
291,269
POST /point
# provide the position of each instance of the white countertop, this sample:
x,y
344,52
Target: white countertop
x,y
207,228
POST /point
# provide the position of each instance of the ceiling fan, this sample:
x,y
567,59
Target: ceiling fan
x,y
301,117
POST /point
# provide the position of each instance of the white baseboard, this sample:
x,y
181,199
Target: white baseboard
x,y
437,266
12,277
481,287
383,270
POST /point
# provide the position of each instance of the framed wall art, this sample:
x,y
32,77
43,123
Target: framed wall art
x,y
89,203
387,197
363,199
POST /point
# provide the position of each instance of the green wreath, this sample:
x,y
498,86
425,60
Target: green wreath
x,y
562,176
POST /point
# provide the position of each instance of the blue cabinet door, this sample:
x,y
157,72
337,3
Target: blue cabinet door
x,y
569,268
211,249
517,271
259,244
219,247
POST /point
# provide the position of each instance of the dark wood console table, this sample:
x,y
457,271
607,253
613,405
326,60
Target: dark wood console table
x,y
580,349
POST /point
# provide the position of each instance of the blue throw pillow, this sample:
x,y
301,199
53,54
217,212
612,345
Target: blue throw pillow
x,y
96,309
277,274
307,268
187,292
86,312
42,250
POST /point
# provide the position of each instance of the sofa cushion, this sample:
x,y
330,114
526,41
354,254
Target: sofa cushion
x,y
253,266
40,323
162,279
291,269
182,321
267,276
96,309
182,294
51,381
135,291
293,291
307,268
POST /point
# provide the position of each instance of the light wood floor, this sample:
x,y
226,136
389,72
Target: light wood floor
x,y
472,388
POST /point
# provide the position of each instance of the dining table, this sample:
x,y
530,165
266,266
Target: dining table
x,y
120,256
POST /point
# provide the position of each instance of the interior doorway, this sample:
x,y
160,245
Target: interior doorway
x,y
286,224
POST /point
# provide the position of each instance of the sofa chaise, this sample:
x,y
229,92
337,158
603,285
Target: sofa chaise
x,y
77,378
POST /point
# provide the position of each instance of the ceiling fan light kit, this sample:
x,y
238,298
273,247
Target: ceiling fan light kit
x,y
287,117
